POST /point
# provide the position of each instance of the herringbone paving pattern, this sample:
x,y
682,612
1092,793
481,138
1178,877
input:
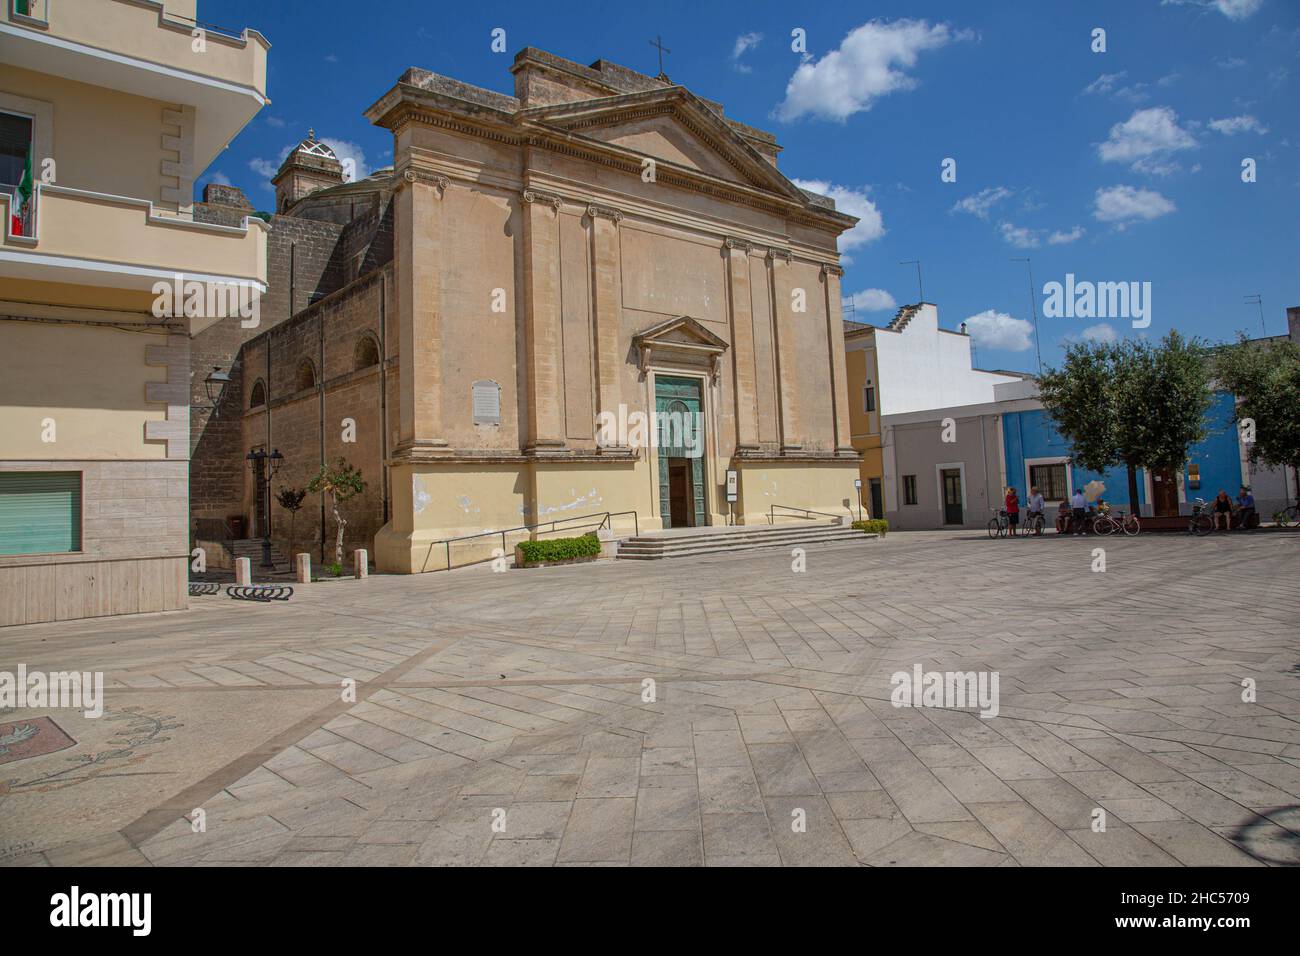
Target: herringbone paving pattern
x,y
716,710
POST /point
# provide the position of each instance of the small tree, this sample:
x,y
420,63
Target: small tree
x,y
1130,403
290,500
1265,378
340,482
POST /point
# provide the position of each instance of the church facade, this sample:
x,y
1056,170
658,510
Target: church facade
x,y
603,296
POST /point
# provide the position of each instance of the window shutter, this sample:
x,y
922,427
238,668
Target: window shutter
x,y
40,512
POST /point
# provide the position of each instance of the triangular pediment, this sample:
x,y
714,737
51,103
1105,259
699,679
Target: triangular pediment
x,y
680,332
671,126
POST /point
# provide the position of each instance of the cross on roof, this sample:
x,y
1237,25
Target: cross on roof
x,y
658,42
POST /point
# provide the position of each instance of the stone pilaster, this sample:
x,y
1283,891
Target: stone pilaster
x,y
418,258
606,306
541,240
839,371
780,262
742,343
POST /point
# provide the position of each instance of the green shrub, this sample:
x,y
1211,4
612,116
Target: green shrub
x,y
560,549
336,569
873,526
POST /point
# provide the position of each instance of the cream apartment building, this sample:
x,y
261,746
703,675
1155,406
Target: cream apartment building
x,y
109,109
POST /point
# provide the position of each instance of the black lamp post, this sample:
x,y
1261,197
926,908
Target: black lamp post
x,y
216,384
270,464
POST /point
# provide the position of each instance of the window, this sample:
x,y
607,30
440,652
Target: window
x,y
868,397
1050,480
306,377
259,394
366,353
40,512
909,489
14,154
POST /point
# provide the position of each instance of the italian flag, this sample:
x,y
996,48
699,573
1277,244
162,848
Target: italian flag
x,y
23,196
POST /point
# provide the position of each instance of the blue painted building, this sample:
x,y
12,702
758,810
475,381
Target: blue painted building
x,y
1036,454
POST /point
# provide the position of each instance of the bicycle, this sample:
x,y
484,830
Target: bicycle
x,y
1033,523
1200,522
999,526
1287,516
1113,522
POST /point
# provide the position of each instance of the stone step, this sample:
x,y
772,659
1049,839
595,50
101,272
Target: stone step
x,y
654,547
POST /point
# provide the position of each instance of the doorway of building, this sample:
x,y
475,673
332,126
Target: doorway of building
x,y
877,499
1164,493
951,495
680,430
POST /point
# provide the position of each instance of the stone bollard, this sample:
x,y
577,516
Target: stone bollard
x,y
360,563
302,567
243,571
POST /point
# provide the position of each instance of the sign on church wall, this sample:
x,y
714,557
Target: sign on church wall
x,y
486,396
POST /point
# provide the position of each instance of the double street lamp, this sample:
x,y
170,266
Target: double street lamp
x,y
264,468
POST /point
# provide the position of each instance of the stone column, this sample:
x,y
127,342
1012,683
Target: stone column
x,y
417,251
360,563
606,305
742,343
302,567
780,262
541,240
839,371
243,571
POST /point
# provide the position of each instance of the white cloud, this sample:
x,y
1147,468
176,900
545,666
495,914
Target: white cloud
x,y
331,58
984,200
1099,333
873,300
871,225
1019,236
1169,79
1232,125
1125,204
1146,140
746,41
1232,9
346,151
869,64
1104,83
265,168
220,178
997,330
1061,238
274,121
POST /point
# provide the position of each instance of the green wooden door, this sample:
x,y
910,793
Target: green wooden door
x,y
681,435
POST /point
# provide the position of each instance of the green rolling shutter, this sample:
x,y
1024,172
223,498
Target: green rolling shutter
x,y
40,512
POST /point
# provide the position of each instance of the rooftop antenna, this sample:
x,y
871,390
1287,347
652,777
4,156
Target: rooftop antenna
x,y
920,289
658,41
1258,300
1033,306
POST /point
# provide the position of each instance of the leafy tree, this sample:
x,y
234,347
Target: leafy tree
x,y
1265,378
290,499
1130,403
341,481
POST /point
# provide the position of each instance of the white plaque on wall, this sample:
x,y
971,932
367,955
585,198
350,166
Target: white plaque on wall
x,y
487,403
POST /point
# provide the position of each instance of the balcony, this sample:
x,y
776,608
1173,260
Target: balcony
x,y
137,47
91,241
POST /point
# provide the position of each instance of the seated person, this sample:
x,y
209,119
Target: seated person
x,y
1222,509
1246,517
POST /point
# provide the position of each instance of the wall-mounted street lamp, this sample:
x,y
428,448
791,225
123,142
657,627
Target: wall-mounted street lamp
x,y
264,468
216,384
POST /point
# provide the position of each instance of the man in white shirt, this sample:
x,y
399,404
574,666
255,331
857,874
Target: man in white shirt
x,y
1078,511
1036,505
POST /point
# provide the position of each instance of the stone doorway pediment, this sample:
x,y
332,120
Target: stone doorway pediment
x,y
681,341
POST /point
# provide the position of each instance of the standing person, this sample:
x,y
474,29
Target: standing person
x,y
1013,511
1036,505
1078,511
1246,508
1222,510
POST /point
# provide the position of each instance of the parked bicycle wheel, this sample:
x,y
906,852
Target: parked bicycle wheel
x,y
1202,524
1131,525
995,528
1287,516
1103,525
1034,525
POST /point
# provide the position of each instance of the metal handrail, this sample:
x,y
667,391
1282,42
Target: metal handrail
x,y
606,520
771,513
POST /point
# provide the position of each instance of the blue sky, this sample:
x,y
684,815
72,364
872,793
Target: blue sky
x,y
1115,166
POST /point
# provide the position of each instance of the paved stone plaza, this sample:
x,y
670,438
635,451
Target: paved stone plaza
x,y
500,720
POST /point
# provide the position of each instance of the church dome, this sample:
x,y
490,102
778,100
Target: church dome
x,y
311,146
